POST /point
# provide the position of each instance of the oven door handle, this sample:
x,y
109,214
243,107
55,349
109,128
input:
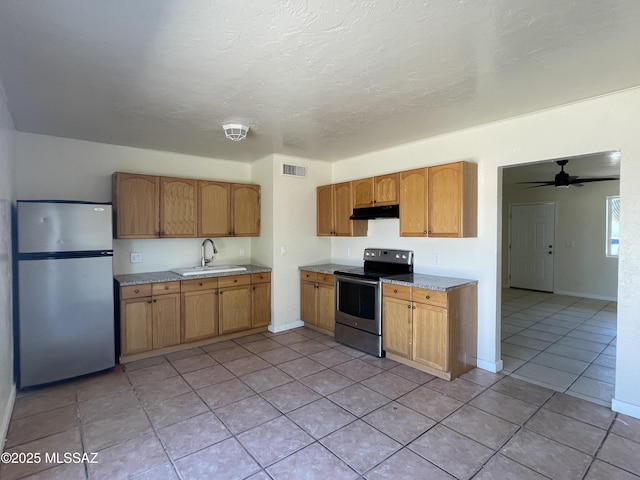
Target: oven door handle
x,y
359,281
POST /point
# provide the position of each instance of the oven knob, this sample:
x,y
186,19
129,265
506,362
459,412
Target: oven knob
x,y
404,256
397,255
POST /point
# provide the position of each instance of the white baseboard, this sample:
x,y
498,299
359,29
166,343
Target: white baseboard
x,y
287,326
586,295
6,417
494,367
626,408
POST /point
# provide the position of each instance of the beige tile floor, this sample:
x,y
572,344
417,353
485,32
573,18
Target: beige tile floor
x,y
296,405
564,343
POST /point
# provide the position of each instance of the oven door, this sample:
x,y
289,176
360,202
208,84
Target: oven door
x,y
358,303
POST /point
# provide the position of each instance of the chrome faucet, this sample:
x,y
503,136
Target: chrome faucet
x,y
204,261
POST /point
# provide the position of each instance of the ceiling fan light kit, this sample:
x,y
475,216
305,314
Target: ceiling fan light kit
x,y
564,180
235,131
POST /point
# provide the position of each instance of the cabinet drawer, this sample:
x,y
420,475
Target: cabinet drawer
x,y
396,291
199,284
234,280
308,276
431,297
264,277
135,291
167,287
325,278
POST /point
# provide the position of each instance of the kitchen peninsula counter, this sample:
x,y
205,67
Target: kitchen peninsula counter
x,y
326,267
431,282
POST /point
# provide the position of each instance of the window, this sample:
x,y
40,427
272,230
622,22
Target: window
x,y
613,226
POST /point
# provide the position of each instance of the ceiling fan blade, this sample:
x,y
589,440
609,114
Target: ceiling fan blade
x,y
545,182
597,179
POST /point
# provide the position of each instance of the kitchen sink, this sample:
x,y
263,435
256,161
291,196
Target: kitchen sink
x,y
186,272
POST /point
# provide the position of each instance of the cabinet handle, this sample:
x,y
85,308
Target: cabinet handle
x,y
408,306
235,281
154,301
395,290
137,290
429,232
166,287
221,292
149,302
200,284
414,307
427,297
425,232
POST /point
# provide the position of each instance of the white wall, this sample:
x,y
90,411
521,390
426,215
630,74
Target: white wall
x,y
581,267
601,124
7,385
292,239
64,169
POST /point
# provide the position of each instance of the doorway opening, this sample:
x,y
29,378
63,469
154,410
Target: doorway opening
x,y
558,313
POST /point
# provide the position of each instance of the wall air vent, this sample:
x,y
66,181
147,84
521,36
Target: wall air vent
x,y
289,170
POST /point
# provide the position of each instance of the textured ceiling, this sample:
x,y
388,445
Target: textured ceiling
x,y
323,79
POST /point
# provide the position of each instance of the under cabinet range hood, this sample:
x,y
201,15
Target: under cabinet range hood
x,y
369,213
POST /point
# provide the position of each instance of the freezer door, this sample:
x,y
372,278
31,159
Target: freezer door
x,y
63,227
66,322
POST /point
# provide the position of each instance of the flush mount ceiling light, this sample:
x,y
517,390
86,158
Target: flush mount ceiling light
x,y
235,131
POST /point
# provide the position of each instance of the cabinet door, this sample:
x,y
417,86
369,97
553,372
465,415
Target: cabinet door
x,y
326,307
386,190
324,210
235,309
214,212
166,320
245,204
308,302
445,200
363,193
413,203
199,314
178,207
397,329
136,200
261,304
136,325
430,336
343,205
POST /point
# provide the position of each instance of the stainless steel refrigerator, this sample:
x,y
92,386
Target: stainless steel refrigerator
x,y
64,315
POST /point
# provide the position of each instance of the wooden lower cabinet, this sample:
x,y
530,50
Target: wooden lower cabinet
x,y
199,309
234,303
260,299
431,330
149,320
317,300
159,315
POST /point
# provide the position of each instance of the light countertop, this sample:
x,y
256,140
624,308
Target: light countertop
x,y
167,276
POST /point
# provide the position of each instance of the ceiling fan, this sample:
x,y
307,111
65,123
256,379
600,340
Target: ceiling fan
x,y
564,180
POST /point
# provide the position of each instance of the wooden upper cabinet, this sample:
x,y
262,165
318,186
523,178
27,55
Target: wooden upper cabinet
x,y
453,200
245,207
376,191
413,203
214,212
136,205
324,210
386,189
335,205
343,208
178,206
363,193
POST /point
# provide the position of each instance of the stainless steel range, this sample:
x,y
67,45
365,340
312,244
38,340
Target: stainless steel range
x,y
359,298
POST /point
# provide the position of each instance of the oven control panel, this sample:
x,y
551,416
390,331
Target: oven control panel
x,y
402,257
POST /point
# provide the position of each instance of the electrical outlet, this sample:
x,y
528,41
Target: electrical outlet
x,y
136,257
436,259
242,252
283,250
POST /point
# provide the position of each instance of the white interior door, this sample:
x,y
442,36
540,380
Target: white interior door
x,y
531,246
